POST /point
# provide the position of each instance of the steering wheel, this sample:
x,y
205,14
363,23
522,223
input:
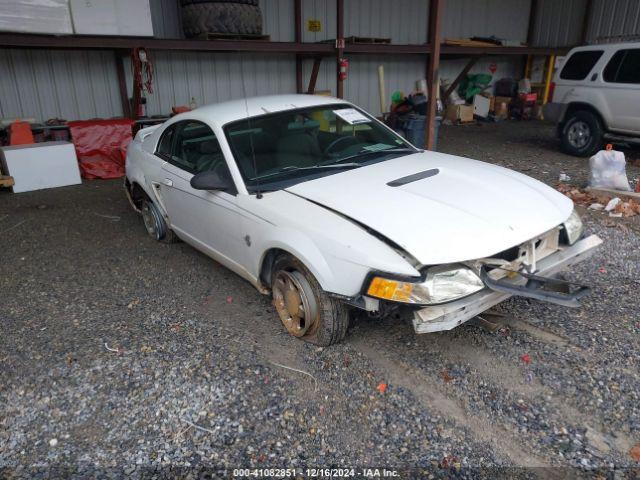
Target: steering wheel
x,y
337,141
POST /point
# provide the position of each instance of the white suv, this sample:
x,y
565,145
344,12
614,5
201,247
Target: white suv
x,y
596,97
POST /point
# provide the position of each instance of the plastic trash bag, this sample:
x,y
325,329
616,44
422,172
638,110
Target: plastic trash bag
x,y
607,170
473,84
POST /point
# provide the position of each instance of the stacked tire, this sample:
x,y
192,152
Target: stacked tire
x,y
242,17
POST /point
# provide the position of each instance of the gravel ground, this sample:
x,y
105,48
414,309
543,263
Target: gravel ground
x,y
127,357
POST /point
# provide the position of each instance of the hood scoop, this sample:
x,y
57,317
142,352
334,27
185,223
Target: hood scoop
x,y
413,178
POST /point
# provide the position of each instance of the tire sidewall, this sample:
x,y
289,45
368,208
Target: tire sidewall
x,y
332,321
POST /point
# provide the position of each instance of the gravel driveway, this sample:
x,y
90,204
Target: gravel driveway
x,y
129,357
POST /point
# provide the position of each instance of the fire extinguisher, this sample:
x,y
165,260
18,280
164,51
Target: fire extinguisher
x,y
343,65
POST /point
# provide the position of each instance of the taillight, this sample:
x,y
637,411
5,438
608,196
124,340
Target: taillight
x,y
552,87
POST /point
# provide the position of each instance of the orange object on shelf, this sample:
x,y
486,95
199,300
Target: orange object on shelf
x,y
20,133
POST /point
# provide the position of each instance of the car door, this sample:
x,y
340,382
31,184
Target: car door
x,y
621,87
209,220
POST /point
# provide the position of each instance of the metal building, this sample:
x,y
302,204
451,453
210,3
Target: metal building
x,y
58,79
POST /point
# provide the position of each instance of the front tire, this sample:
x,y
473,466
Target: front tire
x,y
582,134
306,310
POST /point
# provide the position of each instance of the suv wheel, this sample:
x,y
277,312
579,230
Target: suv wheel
x,y
582,134
306,311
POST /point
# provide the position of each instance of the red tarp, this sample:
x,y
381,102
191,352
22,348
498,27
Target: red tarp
x,y
101,146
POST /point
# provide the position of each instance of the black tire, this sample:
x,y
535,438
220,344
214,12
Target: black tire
x,y
155,224
216,17
582,134
331,321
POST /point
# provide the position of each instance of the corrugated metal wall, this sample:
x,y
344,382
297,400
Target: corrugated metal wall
x,y
78,85
404,21
322,10
612,18
68,84
214,77
165,18
278,20
558,23
503,18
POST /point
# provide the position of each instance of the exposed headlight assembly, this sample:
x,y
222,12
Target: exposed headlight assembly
x,y
441,284
573,228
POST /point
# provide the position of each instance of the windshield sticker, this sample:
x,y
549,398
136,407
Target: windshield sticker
x,y
352,116
377,147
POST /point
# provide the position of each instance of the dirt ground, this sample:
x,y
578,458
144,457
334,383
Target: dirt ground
x,y
122,355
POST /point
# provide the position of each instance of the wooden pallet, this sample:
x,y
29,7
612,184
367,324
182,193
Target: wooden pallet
x,y
465,42
367,40
233,36
6,181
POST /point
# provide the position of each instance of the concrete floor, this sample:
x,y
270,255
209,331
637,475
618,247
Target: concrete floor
x,y
121,353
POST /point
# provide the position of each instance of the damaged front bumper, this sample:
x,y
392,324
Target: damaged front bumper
x,y
447,316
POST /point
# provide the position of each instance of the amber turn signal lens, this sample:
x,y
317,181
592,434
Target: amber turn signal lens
x,y
390,289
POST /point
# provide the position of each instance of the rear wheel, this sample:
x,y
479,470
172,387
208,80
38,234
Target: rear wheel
x,y
582,134
306,311
155,224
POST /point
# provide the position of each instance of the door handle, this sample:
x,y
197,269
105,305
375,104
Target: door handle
x,y
167,182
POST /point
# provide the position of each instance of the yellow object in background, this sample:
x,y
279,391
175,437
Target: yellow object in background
x,y
314,25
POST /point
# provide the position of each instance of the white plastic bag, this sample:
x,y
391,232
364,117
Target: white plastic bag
x,y
607,170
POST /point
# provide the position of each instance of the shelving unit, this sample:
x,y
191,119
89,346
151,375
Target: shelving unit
x,y
122,46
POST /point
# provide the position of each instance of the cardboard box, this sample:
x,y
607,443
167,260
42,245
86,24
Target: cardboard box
x,y
462,113
497,101
41,165
481,105
112,17
36,16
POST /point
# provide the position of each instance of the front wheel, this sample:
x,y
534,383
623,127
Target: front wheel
x,y
306,311
582,134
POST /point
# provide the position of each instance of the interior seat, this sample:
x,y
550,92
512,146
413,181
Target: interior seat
x,y
210,155
298,148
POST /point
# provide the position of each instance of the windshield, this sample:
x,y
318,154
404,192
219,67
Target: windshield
x,y
277,150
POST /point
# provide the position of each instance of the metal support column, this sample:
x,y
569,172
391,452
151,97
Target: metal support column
x,y
120,56
297,8
339,46
436,8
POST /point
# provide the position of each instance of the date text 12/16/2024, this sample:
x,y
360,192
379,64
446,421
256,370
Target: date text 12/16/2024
x,y
314,473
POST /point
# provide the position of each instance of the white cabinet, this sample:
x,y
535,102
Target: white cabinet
x,y
112,17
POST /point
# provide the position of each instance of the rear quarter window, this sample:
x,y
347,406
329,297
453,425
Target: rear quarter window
x,y
578,66
624,67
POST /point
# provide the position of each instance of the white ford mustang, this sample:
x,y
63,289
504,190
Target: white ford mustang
x,y
317,203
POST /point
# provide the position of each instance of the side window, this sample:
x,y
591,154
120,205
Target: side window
x,y
578,66
197,149
624,67
166,142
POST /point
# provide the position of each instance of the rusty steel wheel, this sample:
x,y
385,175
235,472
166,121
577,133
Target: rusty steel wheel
x,y
295,302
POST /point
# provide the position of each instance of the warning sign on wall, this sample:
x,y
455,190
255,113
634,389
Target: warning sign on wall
x,y
314,25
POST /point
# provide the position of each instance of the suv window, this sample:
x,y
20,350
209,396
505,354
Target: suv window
x,y
166,142
197,149
624,67
578,66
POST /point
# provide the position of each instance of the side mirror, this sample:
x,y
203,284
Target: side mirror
x,y
211,181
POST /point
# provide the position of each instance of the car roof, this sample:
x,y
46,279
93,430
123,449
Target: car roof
x,y
230,111
606,46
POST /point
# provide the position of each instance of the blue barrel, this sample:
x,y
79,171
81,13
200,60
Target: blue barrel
x,y
414,128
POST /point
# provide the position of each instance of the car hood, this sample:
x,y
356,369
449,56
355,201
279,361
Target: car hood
x,y
452,209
